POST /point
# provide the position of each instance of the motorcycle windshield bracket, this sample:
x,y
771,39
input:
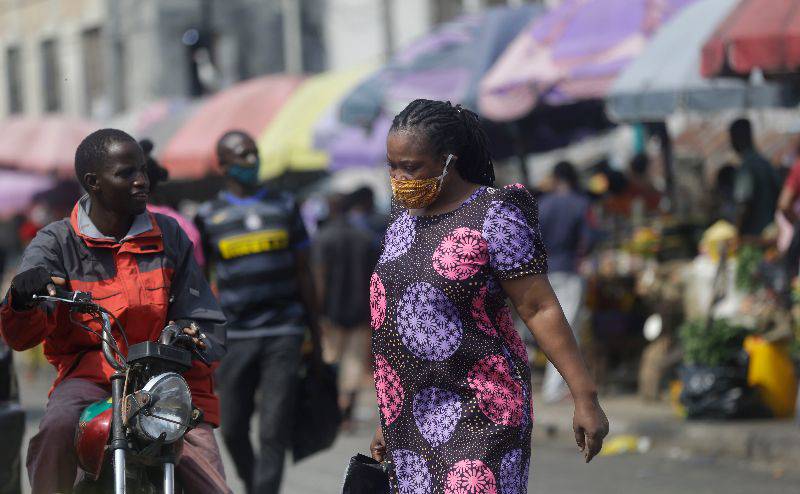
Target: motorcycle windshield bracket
x,y
135,403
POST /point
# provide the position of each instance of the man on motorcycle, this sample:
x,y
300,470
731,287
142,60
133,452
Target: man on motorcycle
x,y
140,267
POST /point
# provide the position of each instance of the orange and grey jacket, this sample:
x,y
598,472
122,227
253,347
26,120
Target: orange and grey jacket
x,y
146,279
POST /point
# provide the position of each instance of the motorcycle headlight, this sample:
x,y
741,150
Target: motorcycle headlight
x,y
169,409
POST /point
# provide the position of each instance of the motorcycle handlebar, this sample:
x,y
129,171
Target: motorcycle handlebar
x,y
69,298
82,302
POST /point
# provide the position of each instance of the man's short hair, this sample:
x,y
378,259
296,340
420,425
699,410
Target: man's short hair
x,y
93,150
566,172
231,133
741,129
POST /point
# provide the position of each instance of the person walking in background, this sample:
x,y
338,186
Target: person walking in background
x,y
344,256
724,198
789,208
640,186
451,372
257,251
757,182
361,212
566,223
157,174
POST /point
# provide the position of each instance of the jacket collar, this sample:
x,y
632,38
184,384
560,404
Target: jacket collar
x,y
140,237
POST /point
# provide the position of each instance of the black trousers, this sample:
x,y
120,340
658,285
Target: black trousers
x,y
266,366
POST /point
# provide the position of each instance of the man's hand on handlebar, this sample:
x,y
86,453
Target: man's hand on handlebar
x,y
187,333
193,331
35,281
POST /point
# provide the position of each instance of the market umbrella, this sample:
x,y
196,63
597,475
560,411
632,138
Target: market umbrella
x,y
446,64
160,130
666,76
572,53
249,106
352,146
42,144
288,141
17,189
158,120
134,118
763,34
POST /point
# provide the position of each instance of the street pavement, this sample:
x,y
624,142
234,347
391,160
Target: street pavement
x,y
557,467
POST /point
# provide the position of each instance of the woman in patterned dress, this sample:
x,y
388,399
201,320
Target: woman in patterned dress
x,y
451,372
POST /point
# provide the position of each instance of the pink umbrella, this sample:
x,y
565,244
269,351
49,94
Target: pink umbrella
x,y
571,53
42,144
762,34
17,189
249,106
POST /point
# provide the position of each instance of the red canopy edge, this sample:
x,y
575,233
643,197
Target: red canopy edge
x,y
249,106
42,144
763,34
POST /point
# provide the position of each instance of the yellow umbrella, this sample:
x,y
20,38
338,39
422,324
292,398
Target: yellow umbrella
x,y
287,142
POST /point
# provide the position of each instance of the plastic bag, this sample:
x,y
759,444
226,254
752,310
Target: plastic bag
x,y
365,476
719,393
317,416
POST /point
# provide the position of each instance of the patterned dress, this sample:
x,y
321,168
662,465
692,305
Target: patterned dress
x,y
451,372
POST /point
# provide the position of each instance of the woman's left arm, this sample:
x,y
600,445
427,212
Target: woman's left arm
x,y
536,303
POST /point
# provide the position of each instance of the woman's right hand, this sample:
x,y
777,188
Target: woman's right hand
x,y
377,447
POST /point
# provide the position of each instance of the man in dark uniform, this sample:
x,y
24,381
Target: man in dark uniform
x,y
256,245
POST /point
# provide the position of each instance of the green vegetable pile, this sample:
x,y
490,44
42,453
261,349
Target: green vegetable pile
x,y
748,258
712,346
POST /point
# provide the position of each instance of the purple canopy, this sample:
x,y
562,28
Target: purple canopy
x,y
446,64
350,146
572,53
17,190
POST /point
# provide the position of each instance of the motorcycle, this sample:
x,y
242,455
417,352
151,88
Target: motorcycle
x,y
124,441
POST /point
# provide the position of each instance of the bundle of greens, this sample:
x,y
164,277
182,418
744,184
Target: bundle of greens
x,y
715,344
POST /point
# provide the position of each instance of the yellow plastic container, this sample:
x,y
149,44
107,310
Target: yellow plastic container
x,y
771,370
675,389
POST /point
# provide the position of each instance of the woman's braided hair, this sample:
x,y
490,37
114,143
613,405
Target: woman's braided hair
x,y
451,129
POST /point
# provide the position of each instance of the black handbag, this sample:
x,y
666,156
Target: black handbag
x,y
366,476
316,412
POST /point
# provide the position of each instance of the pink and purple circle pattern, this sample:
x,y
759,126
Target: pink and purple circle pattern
x,y
460,254
437,412
499,395
413,476
377,301
470,477
508,235
390,390
399,237
513,473
428,322
493,286
479,314
505,322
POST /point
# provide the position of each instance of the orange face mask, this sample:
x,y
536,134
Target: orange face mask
x,y
421,192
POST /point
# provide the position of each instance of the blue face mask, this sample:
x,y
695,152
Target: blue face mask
x,y
245,175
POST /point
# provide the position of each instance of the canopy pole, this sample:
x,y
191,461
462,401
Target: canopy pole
x,y
519,152
292,36
473,6
387,15
660,130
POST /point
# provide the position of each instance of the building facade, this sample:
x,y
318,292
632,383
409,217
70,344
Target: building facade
x,y
98,58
